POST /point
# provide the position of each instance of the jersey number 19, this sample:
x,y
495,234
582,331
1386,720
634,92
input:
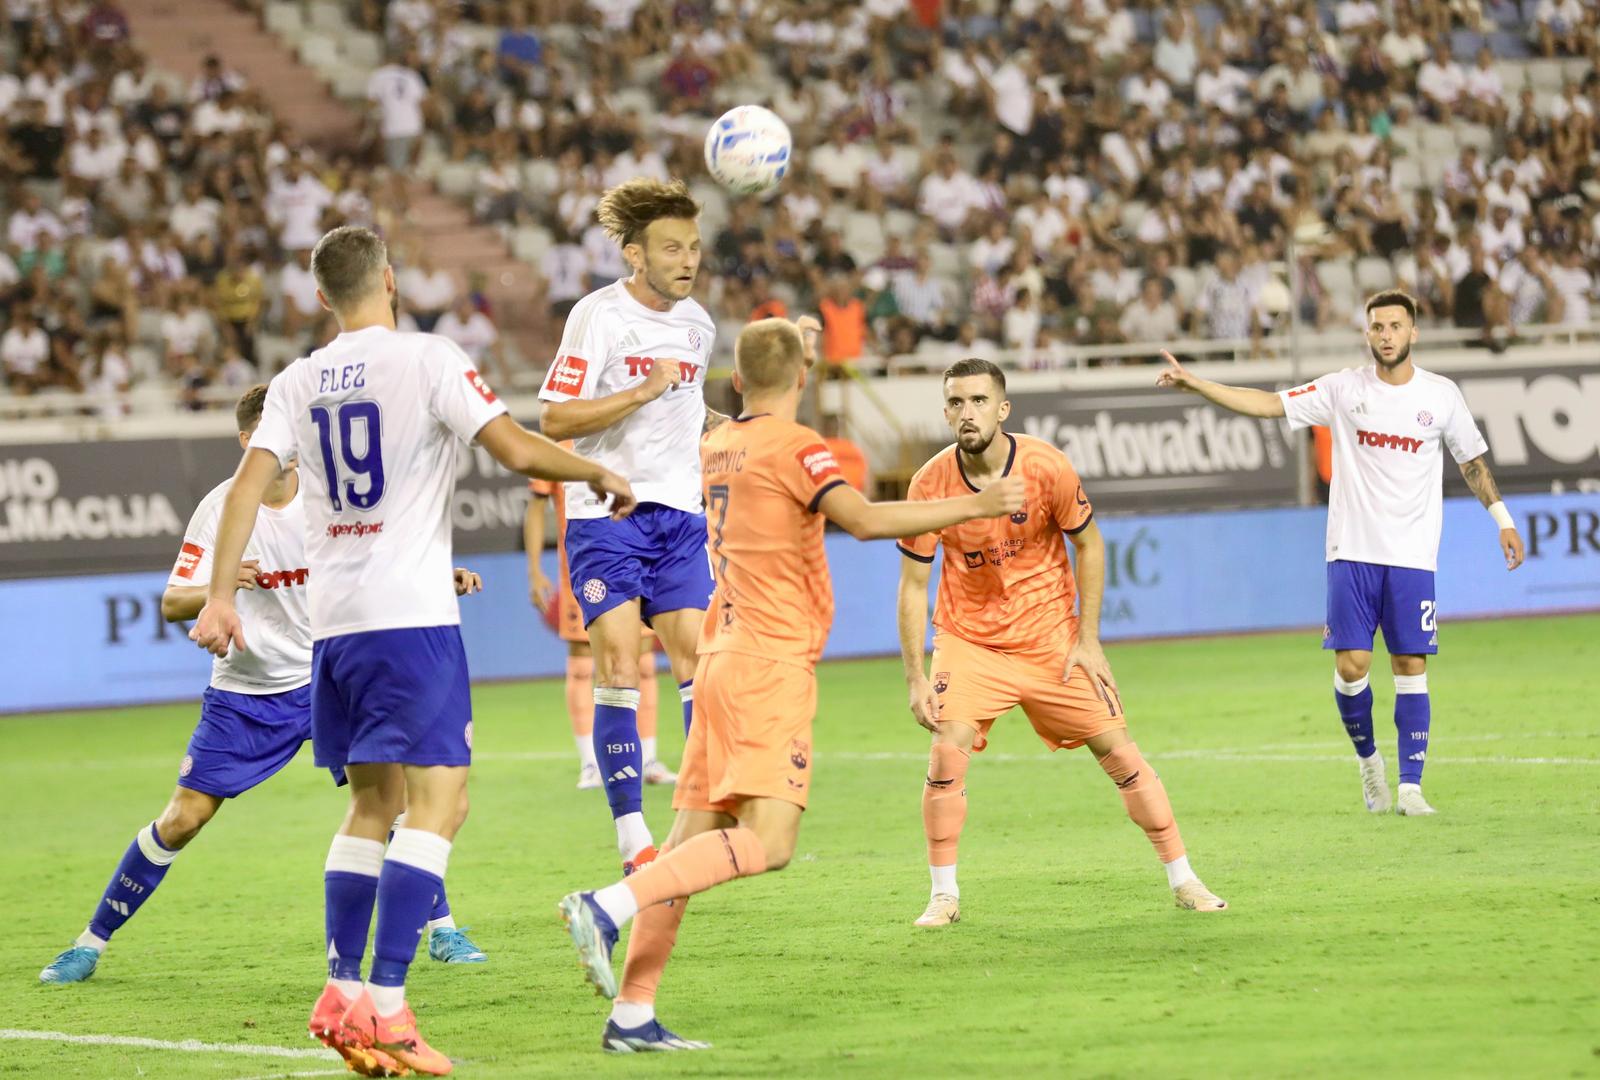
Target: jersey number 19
x,y
368,462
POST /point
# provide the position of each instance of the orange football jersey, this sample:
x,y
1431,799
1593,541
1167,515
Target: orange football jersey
x,y
1006,583
764,478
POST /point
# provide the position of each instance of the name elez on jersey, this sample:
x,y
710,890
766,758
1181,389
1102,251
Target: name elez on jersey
x,y
349,377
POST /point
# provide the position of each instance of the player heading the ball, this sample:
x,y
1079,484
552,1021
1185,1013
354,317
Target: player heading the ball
x,y
627,386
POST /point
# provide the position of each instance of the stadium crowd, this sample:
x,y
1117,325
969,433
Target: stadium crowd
x,y
971,175
1041,174
154,229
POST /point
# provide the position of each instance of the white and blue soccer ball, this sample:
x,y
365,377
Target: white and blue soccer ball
x,y
747,150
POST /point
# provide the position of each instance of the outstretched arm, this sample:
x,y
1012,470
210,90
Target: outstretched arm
x,y
535,456
847,508
1478,477
1239,399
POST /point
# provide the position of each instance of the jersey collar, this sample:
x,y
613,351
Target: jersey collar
x,y
1010,460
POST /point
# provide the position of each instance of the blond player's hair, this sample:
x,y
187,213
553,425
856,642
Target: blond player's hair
x,y
769,355
627,210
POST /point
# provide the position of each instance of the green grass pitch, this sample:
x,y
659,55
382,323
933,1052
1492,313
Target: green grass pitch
x,y
1462,945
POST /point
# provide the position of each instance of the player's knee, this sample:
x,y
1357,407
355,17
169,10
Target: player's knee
x,y
617,667
1351,668
463,806
950,733
1408,665
183,818
778,851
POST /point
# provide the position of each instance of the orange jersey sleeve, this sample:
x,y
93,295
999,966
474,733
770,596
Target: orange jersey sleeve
x,y
1006,583
764,478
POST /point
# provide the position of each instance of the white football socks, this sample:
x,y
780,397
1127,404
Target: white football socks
x,y
632,1014
1178,871
944,879
633,836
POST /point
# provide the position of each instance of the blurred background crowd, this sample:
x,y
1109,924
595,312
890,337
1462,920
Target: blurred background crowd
x,y
1050,182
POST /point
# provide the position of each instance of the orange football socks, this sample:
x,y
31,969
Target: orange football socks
x,y
1146,799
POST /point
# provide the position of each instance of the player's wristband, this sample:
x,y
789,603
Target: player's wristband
x,y
1502,516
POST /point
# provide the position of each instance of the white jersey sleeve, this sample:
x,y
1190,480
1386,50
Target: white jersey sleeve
x,y
275,615
1312,404
277,432
1461,432
194,557
462,401
581,359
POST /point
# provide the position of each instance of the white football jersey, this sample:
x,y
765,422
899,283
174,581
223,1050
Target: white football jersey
x,y
275,614
609,345
377,418
1386,504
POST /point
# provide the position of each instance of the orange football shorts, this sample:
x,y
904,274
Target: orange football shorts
x,y
975,685
751,734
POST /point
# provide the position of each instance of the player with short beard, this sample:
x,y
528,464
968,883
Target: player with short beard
x,y
627,386
1390,421
1006,633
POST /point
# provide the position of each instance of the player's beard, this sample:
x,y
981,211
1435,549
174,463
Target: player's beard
x,y
667,287
1390,365
975,442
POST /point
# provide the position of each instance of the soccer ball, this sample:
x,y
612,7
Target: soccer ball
x,y
747,150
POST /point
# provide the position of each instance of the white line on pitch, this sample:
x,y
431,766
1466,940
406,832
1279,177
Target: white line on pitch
x,y
192,1046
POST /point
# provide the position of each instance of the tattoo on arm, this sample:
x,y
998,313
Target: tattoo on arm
x,y
713,419
1478,478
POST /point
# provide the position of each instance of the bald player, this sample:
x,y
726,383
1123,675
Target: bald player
x,y
770,483
1009,630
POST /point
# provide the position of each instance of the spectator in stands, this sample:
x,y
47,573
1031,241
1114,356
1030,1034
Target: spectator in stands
x,y
949,197
1502,236
1479,304
839,162
845,330
1226,307
1558,27
238,295
1441,84
294,204
1531,294
188,335
1575,283
107,375
1020,327
301,309
519,52
214,81
689,76
32,227
924,299
426,290
1152,317
565,270
400,98
475,332
25,353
